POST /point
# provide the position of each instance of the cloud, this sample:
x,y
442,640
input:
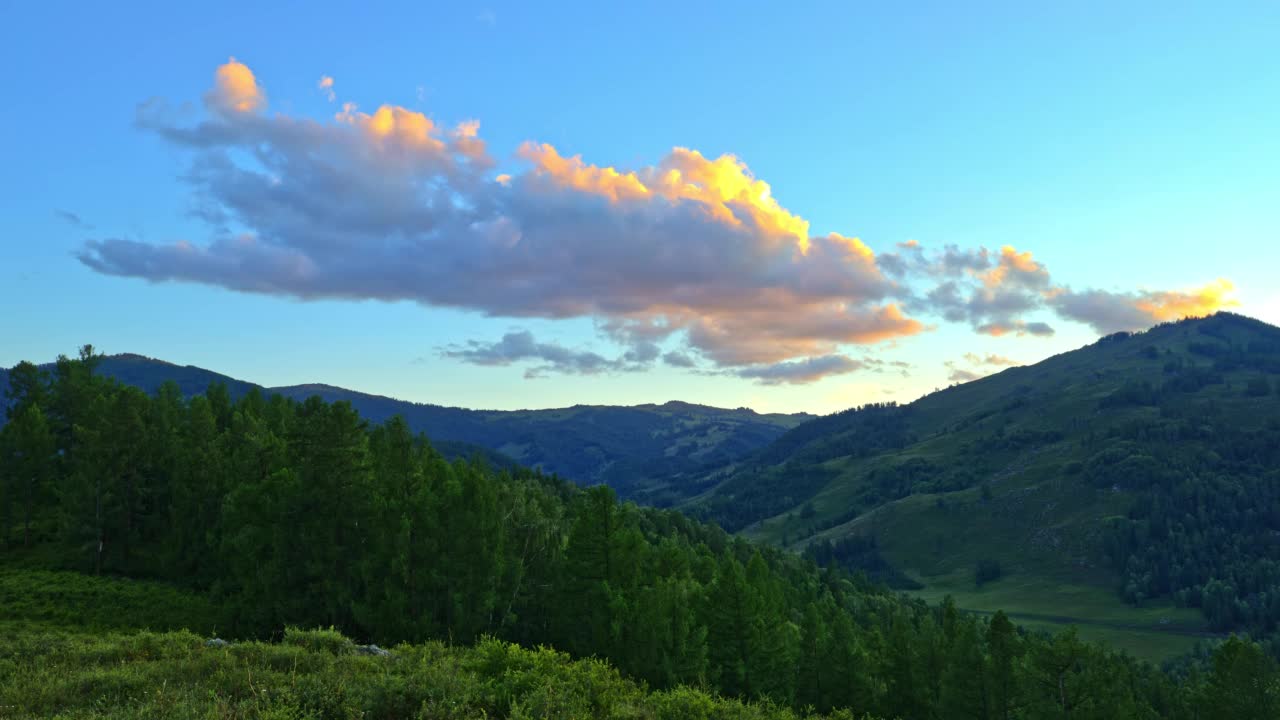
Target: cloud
x,y
992,292
326,86
678,359
798,372
488,17
1016,327
692,255
958,374
990,359
235,90
519,346
995,292
978,366
392,205
1109,312
72,219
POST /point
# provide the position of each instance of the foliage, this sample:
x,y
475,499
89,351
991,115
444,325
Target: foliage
x,y
178,675
289,514
68,599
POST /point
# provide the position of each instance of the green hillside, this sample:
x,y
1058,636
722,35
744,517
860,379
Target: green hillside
x,y
1129,487
246,518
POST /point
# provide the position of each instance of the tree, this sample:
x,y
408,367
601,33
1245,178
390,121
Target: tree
x,y
815,639
590,567
964,675
199,482
27,446
28,386
729,633
1004,649
1243,685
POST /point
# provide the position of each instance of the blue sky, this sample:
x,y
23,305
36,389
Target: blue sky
x,y
1132,151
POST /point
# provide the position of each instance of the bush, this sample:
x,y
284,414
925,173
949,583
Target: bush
x,y
330,641
315,674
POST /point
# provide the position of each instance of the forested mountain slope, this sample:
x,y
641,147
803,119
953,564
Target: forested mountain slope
x,y
629,448
269,513
1145,464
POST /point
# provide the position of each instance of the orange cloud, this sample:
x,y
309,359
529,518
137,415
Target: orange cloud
x,y
1108,312
326,86
989,359
1015,265
573,173
235,89
466,140
724,186
396,125
1175,304
789,328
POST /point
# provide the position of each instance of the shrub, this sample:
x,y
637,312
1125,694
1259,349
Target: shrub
x,y
330,641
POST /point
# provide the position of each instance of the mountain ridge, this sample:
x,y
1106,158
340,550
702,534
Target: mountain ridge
x,y
626,447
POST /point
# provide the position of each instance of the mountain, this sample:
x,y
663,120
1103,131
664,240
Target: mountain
x,y
1132,485
642,448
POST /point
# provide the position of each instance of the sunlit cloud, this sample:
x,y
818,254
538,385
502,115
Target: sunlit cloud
x,y
1108,312
979,366
326,86
691,262
235,89
990,359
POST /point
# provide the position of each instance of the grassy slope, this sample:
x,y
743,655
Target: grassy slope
x,y
65,674
1041,524
75,646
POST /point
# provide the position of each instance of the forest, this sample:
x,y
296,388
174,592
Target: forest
x,y
288,514
1168,438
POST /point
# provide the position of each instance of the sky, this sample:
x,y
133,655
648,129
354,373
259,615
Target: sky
x,y
789,207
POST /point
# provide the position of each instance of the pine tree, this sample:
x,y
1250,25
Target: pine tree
x,y
1243,685
774,638
964,676
815,642
1003,652
589,565
27,471
729,631
198,485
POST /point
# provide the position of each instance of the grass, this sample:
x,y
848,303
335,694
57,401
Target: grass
x,y
1155,632
1043,529
68,599
320,674
79,646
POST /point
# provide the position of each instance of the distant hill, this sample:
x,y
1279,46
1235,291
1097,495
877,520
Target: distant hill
x,y
642,448
1133,483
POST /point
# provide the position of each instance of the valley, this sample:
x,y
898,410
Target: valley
x,y
1013,469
